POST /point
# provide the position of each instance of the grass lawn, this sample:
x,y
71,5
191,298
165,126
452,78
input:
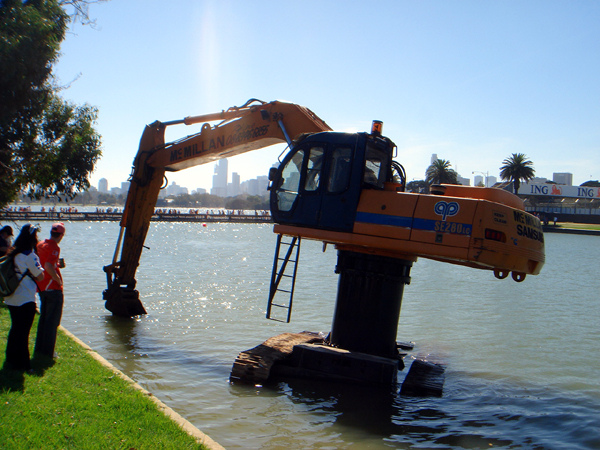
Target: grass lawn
x,y
579,226
76,403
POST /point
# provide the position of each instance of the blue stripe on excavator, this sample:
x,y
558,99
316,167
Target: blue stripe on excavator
x,y
384,219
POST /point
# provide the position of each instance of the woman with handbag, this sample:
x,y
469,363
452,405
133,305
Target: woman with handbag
x,y
21,304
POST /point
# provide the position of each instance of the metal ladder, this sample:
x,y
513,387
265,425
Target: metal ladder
x,y
281,272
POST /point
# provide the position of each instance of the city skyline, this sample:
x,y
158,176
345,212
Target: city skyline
x,y
220,184
222,187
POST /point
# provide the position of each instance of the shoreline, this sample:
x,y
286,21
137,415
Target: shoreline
x,y
184,424
558,229
25,395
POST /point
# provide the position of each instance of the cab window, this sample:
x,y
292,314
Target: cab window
x,y
339,174
314,166
290,182
376,163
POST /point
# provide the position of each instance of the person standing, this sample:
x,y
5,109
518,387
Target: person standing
x,y
5,234
21,304
51,291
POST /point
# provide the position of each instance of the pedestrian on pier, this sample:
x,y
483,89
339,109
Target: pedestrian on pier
x,y
51,291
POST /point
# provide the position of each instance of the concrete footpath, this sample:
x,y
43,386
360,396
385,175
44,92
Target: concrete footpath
x,y
184,424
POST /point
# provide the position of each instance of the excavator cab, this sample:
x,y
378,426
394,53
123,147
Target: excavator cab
x,y
319,182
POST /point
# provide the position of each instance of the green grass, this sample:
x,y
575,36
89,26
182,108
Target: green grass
x,y
579,226
76,403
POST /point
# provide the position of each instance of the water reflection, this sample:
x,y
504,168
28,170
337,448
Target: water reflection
x,y
131,343
121,333
352,406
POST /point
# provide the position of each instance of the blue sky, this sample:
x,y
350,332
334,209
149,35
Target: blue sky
x,y
472,81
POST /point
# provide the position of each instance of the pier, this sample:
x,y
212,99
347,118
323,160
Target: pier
x,y
159,216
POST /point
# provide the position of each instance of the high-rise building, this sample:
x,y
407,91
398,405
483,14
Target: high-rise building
x,y
233,188
103,185
219,186
464,181
251,186
263,184
487,181
563,178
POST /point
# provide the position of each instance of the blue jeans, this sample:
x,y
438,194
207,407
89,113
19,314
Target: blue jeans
x,y
50,315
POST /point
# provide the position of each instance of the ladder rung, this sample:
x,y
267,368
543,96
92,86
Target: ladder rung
x,y
283,259
283,290
281,306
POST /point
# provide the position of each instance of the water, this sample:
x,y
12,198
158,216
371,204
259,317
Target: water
x,y
523,365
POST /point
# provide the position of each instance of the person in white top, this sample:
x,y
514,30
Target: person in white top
x,y
21,304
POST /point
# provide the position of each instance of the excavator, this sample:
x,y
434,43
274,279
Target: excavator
x,y
343,189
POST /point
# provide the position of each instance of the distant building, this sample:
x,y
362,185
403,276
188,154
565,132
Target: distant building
x,y
434,157
219,185
103,185
563,178
125,187
250,186
538,180
175,189
263,184
464,181
490,181
233,188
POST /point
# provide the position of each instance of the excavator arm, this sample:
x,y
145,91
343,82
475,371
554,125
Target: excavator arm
x,y
254,125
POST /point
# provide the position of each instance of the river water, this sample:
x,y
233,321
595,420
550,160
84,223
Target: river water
x,y
522,359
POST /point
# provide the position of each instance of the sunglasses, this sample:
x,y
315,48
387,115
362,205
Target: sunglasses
x,y
33,228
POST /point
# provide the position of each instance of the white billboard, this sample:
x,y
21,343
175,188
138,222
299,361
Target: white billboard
x,y
558,190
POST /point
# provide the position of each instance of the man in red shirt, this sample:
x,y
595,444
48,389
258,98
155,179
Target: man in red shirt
x,y
51,291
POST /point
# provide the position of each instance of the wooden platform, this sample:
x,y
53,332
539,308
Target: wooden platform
x,y
254,366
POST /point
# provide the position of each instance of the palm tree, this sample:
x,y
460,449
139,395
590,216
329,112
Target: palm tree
x,y
517,168
440,172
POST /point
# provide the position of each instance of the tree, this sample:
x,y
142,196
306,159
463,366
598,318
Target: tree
x,y
439,172
47,146
418,187
591,183
517,168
